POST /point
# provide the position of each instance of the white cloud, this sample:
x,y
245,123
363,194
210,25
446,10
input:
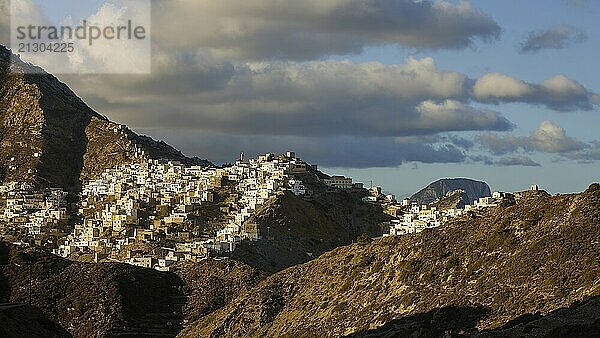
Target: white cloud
x,y
557,93
496,85
552,138
102,55
4,22
562,86
549,137
517,161
114,56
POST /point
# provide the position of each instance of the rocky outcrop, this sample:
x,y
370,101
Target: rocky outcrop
x,y
539,255
472,190
49,136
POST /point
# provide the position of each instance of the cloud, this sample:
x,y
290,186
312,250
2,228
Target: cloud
x,y
552,138
4,22
330,151
505,161
455,140
123,56
587,155
558,92
410,103
517,161
548,138
310,29
500,86
286,98
557,37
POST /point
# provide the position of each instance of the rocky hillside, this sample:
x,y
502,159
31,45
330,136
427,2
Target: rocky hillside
x,y
472,190
582,319
49,136
295,230
539,255
107,299
453,199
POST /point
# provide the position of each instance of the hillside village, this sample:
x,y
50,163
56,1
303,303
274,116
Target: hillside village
x,y
155,213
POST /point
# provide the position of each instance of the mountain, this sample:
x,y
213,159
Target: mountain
x,y
110,299
498,264
472,190
49,136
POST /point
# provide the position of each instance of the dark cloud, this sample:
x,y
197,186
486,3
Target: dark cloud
x,y
316,99
415,107
310,29
193,90
557,37
334,151
588,155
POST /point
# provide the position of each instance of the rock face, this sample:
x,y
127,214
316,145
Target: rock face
x,y
539,255
472,190
49,136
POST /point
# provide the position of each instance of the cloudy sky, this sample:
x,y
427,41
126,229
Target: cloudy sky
x,y
398,92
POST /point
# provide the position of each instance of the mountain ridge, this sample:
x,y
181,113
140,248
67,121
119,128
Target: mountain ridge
x,y
50,137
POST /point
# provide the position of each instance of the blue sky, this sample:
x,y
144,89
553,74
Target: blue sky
x,y
578,61
398,92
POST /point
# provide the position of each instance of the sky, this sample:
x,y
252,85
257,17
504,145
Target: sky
x,y
394,92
